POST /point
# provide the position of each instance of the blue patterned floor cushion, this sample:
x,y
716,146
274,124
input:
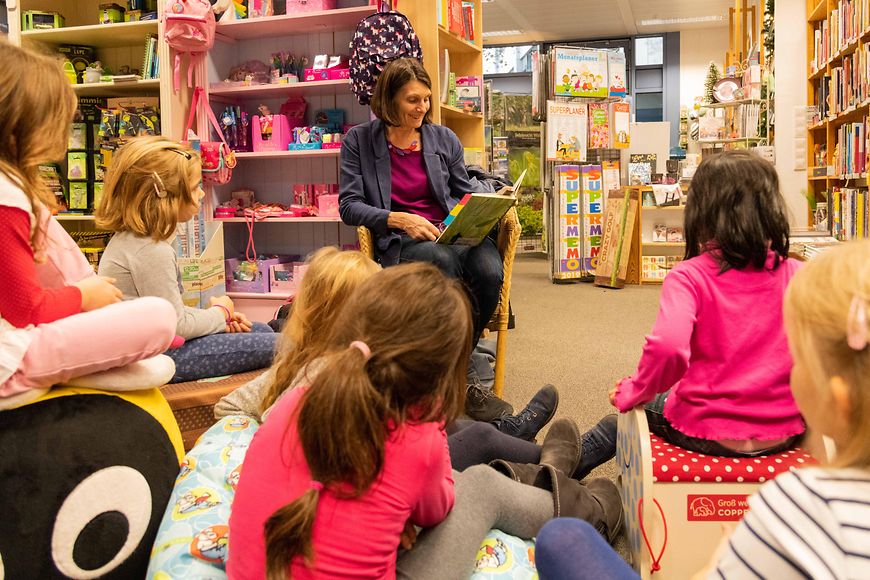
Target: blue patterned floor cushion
x,y
192,539
504,557
193,535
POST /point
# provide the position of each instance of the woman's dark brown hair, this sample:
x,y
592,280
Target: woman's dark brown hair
x,y
396,75
417,324
736,209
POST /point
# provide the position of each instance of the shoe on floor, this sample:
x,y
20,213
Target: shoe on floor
x,y
481,404
598,446
536,414
561,446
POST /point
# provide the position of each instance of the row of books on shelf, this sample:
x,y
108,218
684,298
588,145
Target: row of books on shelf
x,y
657,267
843,27
150,60
850,151
572,128
847,85
457,16
850,209
464,92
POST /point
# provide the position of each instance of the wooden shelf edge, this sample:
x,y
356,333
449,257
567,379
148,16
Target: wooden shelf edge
x,y
281,25
460,43
261,295
278,89
456,111
97,35
819,12
301,154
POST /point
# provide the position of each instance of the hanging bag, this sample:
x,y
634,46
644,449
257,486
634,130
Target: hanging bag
x,y
188,28
379,39
218,159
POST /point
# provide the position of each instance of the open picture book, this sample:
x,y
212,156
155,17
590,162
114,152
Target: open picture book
x,y
477,213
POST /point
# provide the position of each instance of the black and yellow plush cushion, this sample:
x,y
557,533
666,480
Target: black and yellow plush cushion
x,y
85,476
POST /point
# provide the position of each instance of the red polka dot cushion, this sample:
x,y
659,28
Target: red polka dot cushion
x,y
672,464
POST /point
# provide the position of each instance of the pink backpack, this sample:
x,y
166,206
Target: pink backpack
x,y
188,27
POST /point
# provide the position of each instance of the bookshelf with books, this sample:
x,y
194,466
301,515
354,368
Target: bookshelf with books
x,y
659,227
451,36
278,176
129,76
838,99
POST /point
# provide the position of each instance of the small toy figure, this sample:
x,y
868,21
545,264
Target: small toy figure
x,y
265,122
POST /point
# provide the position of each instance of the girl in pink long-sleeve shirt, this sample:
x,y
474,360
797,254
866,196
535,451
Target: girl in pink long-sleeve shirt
x,y
714,373
336,478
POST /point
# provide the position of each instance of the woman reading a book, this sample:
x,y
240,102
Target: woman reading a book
x,y
400,177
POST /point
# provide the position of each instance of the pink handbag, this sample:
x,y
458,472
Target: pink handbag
x,y
218,159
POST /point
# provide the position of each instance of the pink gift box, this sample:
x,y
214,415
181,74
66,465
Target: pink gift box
x,y
316,74
286,277
280,134
338,73
327,205
260,284
309,5
330,146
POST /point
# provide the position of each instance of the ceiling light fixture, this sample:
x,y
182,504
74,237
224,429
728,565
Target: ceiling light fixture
x,y
689,20
502,33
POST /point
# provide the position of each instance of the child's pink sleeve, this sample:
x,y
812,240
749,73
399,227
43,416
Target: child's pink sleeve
x,y
667,350
436,498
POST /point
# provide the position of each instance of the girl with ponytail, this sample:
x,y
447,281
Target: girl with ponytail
x,y
344,465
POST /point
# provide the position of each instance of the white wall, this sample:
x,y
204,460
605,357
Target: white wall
x,y
697,48
791,90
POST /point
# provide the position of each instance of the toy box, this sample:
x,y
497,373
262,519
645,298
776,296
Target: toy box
x,y
110,14
38,20
78,195
77,165
309,5
338,73
327,205
80,57
286,277
277,140
245,279
316,74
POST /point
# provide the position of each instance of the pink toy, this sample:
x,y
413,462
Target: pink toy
x,y
280,134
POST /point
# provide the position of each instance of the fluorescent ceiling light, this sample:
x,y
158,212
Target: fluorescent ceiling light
x,y
502,32
691,20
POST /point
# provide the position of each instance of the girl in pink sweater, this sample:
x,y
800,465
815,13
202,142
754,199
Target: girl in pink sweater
x,y
714,373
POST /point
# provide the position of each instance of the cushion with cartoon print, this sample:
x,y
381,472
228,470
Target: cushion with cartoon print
x,y
193,536
502,557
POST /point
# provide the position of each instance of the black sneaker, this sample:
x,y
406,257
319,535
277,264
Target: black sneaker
x,y
481,404
539,411
599,446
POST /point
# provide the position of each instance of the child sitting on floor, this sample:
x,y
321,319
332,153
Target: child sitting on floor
x,y
391,374
58,320
714,371
152,185
808,523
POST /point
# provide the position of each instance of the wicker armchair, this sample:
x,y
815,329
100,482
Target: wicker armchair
x,y
508,237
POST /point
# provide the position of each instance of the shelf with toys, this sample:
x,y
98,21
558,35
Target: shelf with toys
x,y
286,132
660,230
111,57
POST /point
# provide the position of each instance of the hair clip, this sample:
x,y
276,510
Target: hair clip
x,y
856,324
159,188
186,154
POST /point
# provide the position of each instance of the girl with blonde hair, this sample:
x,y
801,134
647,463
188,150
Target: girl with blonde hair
x,y
332,277
58,321
152,185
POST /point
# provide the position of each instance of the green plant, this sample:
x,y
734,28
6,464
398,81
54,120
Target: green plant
x,y
531,220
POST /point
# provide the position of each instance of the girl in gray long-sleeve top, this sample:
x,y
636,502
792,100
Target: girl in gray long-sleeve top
x,y
152,185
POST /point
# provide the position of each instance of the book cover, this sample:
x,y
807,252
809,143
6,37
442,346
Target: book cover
x,y
641,166
468,20
444,70
710,127
468,93
593,214
566,131
454,16
476,214
580,72
599,127
616,73
567,241
620,125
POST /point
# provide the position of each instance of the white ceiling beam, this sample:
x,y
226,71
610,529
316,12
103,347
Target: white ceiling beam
x,y
624,7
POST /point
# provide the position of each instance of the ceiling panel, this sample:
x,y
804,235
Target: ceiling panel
x,y
556,20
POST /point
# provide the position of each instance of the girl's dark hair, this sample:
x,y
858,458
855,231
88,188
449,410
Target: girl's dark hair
x,y
417,324
396,75
736,210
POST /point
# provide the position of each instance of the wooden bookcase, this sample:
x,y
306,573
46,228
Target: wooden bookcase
x,y
850,48
644,246
466,58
